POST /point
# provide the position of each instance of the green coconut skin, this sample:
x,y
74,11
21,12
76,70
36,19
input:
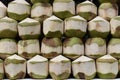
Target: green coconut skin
x,y
108,1
56,34
36,76
18,17
1,76
39,1
106,76
110,61
14,61
114,41
74,33
96,56
25,37
71,56
63,14
117,33
115,55
5,55
87,15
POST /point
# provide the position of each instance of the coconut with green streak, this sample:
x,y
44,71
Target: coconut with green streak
x,y
51,47
18,9
84,68
60,68
29,29
41,11
87,10
28,48
95,47
41,63
8,28
99,27
15,67
3,10
64,8
73,48
1,69
107,67
39,1
76,25
108,1
115,26
7,47
53,27
108,11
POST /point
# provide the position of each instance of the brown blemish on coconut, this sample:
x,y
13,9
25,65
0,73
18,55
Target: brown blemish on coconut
x,y
81,75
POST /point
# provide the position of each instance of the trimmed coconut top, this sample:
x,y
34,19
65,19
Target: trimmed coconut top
x,y
7,19
107,5
21,2
38,58
28,20
76,18
114,41
59,58
83,59
63,0
15,57
54,18
107,57
2,5
98,18
87,3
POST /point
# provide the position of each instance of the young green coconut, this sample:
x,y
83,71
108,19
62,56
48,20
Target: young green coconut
x,y
76,25
115,26
1,69
73,48
15,67
84,68
41,11
95,47
60,68
87,10
39,1
114,47
8,28
108,1
35,63
108,10
28,48
3,10
64,8
7,47
29,29
107,67
51,47
53,27
18,9
99,27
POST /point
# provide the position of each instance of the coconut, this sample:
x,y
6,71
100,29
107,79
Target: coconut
x,y
51,47
73,48
3,10
18,9
84,68
28,48
7,47
53,27
15,67
8,28
108,10
1,69
87,10
60,68
64,8
107,67
95,47
108,1
39,1
41,11
99,27
115,26
29,29
76,25
35,63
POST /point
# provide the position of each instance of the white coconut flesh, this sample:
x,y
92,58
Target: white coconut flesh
x,y
114,48
3,10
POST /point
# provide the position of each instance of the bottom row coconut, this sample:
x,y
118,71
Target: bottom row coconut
x,y
59,67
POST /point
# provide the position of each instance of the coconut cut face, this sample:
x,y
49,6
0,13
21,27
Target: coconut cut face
x,y
1,69
29,29
108,10
107,67
37,62
28,48
60,68
3,10
99,27
15,67
76,25
64,8
95,47
18,9
53,27
39,1
41,11
7,47
115,27
51,47
87,10
73,48
8,28
84,68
